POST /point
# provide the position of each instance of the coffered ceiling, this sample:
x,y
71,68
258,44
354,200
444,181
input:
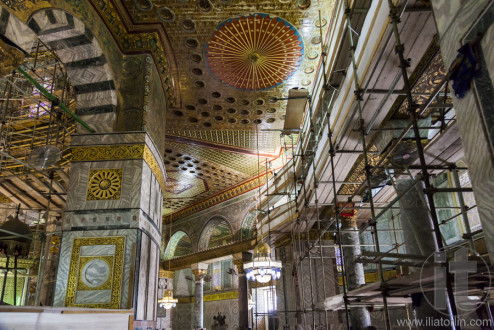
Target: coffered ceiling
x,y
235,60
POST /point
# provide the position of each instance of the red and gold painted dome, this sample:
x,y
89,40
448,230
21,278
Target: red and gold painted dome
x,y
254,52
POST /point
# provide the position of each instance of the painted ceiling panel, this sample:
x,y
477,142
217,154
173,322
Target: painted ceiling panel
x,y
275,46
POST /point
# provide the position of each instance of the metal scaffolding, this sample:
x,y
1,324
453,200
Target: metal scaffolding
x,y
324,218
34,101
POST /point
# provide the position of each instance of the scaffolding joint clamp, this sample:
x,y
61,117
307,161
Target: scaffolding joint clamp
x,y
430,190
399,48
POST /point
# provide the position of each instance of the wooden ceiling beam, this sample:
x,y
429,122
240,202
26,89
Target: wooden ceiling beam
x,y
27,199
56,199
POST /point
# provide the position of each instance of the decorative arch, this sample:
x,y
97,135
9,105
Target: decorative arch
x,y
248,227
216,232
179,245
86,65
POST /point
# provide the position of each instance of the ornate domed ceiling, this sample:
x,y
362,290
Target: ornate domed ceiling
x,y
235,60
254,52
226,71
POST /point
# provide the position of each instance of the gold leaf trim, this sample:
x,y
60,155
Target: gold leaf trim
x,y
104,184
120,152
119,242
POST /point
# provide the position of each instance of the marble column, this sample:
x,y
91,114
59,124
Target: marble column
x,y
112,225
415,219
164,316
243,290
306,283
199,271
355,276
460,22
419,238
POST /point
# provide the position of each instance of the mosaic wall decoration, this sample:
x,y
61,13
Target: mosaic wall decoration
x,y
217,232
178,246
95,272
104,184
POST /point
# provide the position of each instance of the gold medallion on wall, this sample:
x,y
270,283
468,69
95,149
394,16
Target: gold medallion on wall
x,y
104,184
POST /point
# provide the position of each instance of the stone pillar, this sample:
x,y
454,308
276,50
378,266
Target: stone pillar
x,y
415,219
288,291
164,316
243,291
299,291
200,271
419,238
111,233
459,22
355,276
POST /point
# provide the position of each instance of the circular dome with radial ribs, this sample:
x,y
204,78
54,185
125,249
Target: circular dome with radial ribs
x,y
254,52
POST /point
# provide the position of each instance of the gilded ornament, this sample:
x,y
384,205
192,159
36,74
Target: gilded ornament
x,y
166,274
4,199
104,184
75,267
10,58
97,153
21,263
120,152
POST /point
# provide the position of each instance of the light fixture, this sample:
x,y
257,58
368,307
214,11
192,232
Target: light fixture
x,y
167,301
251,302
262,268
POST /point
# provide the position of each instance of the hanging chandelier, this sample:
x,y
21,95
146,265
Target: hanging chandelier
x,y
167,301
262,268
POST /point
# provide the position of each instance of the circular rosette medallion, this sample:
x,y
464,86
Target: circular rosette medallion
x,y
95,273
105,184
254,52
